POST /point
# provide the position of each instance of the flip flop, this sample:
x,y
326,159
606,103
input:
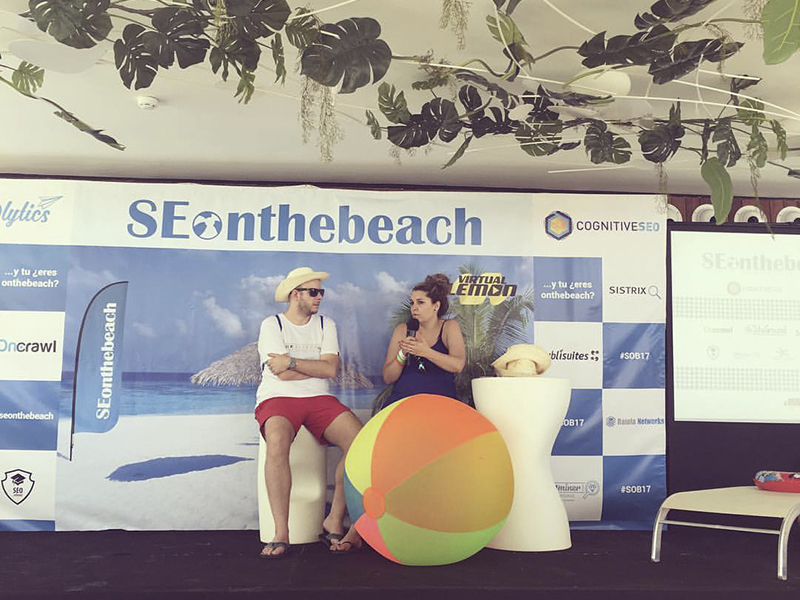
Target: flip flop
x,y
328,538
351,548
273,546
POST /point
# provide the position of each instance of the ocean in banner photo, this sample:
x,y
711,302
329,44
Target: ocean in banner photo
x,y
175,394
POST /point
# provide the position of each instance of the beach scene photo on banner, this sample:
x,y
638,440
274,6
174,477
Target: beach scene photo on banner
x,y
182,454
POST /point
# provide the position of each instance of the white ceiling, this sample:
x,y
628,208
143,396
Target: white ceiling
x,y
199,131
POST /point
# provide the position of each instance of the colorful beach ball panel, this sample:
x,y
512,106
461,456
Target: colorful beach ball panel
x,y
428,481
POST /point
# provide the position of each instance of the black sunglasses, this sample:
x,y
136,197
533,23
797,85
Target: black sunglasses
x,y
313,292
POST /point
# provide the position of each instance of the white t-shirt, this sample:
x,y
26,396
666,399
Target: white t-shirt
x,y
309,341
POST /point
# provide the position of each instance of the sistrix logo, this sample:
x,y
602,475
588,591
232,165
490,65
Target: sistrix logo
x,y
558,225
18,485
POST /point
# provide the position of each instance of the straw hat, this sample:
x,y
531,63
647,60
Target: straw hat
x,y
522,360
295,278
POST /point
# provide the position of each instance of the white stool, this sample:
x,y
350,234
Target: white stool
x,y
528,412
307,499
746,501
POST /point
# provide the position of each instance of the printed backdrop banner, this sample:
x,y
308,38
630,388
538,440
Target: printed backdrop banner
x,y
145,301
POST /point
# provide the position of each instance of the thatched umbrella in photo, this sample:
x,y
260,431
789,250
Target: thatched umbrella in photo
x,y
243,367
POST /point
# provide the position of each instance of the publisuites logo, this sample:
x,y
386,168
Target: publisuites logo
x,y
18,485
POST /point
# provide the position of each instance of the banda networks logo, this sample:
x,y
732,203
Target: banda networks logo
x,y
28,212
612,421
173,219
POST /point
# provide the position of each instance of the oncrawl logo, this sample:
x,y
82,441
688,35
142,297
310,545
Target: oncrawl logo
x,y
18,485
558,225
29,211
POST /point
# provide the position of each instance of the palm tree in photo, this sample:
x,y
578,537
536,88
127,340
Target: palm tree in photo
x,y
488,329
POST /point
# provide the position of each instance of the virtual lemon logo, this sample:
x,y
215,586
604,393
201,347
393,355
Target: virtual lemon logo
x,y
558,225
475,289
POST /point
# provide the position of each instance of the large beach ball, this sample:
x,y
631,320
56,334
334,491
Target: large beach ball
x,y
428,481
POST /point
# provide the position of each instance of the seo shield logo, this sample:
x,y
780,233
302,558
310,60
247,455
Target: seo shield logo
x,y
18,485
558,225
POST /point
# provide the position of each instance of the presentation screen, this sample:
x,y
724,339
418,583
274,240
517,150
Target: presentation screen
x,y
735,310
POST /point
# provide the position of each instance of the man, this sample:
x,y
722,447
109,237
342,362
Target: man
x,y
299,352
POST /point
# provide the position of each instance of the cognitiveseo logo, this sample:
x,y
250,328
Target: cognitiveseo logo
x,y
173,219
558,225
30,212
475,289
18,485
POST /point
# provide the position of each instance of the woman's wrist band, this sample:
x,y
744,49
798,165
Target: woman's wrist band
x,y
400,358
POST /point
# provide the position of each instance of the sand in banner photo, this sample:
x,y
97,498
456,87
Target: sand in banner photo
x,y
160,472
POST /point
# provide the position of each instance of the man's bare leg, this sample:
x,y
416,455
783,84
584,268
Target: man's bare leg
x,y
341,432
279,435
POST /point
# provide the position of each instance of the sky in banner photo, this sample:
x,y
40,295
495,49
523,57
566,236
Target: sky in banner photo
x,y
188,308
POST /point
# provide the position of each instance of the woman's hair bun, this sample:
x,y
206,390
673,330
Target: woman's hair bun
x,y
439,280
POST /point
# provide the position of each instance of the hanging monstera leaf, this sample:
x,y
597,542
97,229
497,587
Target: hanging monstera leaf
x,y
76,23
495,121
661,142
686,57
669,11
256,19
507,99
178,34
728,151
132,58
603,146
241,52
539,139
437,117
638,49
349,51
415,133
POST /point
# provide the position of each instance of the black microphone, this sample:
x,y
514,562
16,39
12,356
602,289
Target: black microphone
x,y
412,326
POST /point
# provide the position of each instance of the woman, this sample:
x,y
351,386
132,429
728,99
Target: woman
x,y
428,361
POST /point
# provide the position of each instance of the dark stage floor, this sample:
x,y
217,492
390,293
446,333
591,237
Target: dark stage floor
x,y
197,564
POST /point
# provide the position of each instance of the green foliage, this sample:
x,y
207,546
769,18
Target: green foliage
x,y
303,30
374,126
751,111
639,49
781,20
686,57
178,34
780,135
27,78
256,19
278,57
507,33
392,104
716,176
660,143
133,59
603,146
351,53
728,151
757,147
246,87
76,23
669,11
460,152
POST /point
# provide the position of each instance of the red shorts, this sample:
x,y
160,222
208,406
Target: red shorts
x,y
315,412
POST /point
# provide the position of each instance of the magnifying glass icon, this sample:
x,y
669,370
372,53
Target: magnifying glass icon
x,y
653,291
